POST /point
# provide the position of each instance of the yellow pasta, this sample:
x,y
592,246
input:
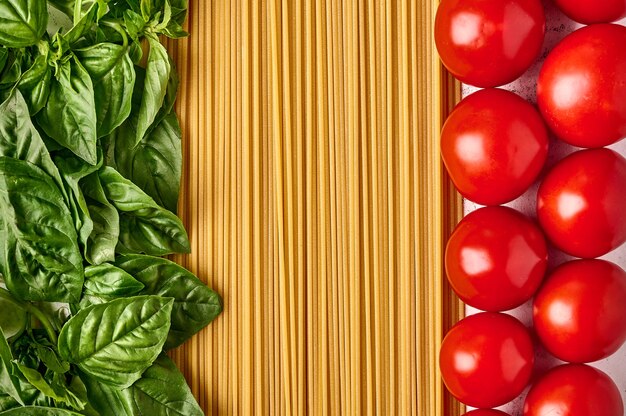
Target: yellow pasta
x,y
317,205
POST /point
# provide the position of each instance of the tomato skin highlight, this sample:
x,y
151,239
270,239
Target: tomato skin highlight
x,y
581,90
591,11
486,359
580,203
488,43
574,390
578,312
496,259
494,144
485,412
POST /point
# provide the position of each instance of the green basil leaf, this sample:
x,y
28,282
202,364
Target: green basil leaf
x,y
134,24
155,87
195,305
22,22
117,341
7,402
38,411
65,6
51,359
36,83
109,280
40,257
9,384
57,390
106,222
12,74
20,139
145,227
12,319
4,55
108,400
113,75
155,164
150,397
84,24
70,115
72,170
78,388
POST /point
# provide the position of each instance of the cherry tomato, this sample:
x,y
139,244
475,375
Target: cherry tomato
x,y
574,390
581,201
496,259
581,90
486,359
494,145
485,412
579,311
488,43
592,11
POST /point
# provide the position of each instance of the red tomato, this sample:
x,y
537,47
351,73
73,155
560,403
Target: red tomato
x,y
486,360
488,43
581,201
592,11
581,89
496,259
574,390
494,145
485,412
579,311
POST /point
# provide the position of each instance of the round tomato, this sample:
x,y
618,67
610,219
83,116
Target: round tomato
x,y
574,390
485,412
579,311
496,259
488,43
486,360
494,145
581,90
592,11
581,201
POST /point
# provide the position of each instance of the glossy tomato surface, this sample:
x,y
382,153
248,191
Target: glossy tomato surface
x,y
494,145
488,43
496,259
581,90
579,311
593,11
486,359
485,412
574,390
581,201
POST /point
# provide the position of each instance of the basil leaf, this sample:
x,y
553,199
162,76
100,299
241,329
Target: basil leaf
x,y
56,390
83,25
157,76
36,83
7,402
70,116
155,164
4,55
78,388
20,139
9,384
108,400
40,257
106,222
38,411
22,22
134,24
72,171
145,227
12,320
117,341
149,397
109,280
195,305
113,75
51,359
11,75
